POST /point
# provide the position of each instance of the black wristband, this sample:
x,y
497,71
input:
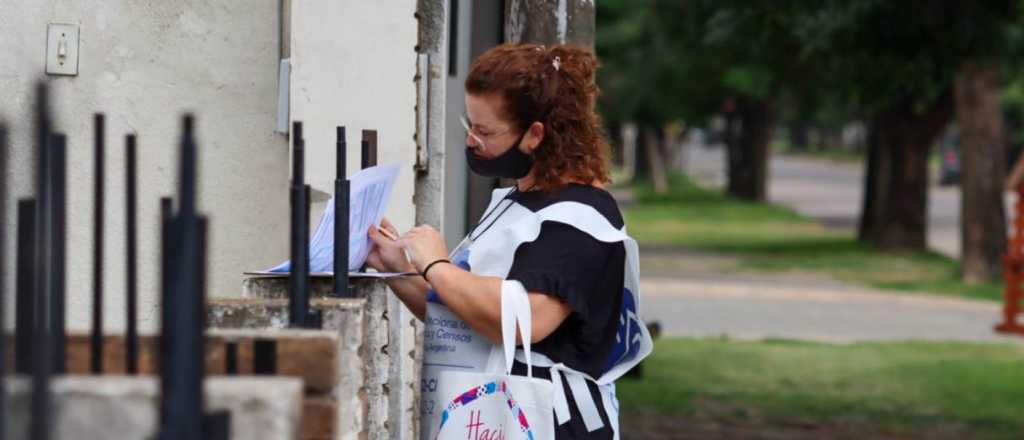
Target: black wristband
x,y
427,269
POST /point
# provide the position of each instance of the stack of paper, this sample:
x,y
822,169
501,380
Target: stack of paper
x,y
369,191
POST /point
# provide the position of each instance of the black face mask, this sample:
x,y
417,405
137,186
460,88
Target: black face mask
x,y
512,164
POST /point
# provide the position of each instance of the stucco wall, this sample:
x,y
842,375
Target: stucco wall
x,y
143,63
354,63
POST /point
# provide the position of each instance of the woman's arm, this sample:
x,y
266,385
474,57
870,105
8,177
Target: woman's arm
x,y
412,291
477,299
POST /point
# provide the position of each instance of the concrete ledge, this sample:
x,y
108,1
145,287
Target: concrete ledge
x,y
269,312
277,287
127,407
362,329
310,355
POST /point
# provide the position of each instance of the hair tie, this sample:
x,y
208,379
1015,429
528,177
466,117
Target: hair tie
x,y
431,265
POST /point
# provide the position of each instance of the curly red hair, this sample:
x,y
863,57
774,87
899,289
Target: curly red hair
x,y
575,148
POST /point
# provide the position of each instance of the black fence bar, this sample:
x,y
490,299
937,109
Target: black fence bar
x,y
166,212
369,145
217,425
58,243
199,305
42,128
298,280
42,229
131,342
231,358
341,211
96,336
298,277
312,318
189,171
40,419
181,338
3,291
24,303
264,357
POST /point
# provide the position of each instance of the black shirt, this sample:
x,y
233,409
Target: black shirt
x,y
585,273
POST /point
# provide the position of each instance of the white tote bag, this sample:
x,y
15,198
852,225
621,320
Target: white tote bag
x,y
493,406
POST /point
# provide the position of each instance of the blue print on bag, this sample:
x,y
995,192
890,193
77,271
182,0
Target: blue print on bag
x,y
461,260
628,335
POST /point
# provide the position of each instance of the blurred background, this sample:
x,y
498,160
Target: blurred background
x,y
825,191
820,193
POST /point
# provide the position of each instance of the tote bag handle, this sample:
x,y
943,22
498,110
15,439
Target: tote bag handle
x,y
515,309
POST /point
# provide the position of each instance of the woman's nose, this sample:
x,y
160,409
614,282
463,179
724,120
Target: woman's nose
x,y
473,141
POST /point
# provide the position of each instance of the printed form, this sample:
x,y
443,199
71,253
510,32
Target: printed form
x,y
369,191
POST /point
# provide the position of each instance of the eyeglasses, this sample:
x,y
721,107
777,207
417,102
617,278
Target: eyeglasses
x,y
477,135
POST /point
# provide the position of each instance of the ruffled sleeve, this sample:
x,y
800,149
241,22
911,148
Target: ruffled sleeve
x,y
566,263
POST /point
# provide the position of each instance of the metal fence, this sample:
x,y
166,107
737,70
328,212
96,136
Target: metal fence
x,y
39,343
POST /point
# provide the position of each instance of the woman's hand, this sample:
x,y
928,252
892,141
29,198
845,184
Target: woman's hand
x,y
425,245
387,255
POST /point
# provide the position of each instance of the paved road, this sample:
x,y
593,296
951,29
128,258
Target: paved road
x,y
692,294
745,310
832,193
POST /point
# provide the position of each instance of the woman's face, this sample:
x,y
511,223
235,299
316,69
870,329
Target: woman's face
x,y
489,134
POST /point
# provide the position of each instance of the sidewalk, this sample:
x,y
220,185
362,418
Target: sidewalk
x,y
700,299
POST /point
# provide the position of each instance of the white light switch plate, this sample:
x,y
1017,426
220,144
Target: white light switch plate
x,y
62,49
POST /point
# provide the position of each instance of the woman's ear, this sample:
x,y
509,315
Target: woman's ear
x,y
534,136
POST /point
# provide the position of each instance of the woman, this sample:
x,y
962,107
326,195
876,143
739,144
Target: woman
x,y
557,234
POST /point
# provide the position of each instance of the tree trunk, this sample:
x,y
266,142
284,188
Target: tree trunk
x,y
895,211
982,214
799,135
627,132
748,155
730,138
873,186
641,165
653,145
615,144
550,21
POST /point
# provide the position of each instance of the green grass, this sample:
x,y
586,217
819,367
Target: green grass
x,y
767,237
896,387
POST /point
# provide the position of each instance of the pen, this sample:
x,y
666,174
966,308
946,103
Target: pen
x,y
390,235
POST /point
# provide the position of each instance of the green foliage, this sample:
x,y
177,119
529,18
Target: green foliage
x,y
670,59
648,73
903,387
882,53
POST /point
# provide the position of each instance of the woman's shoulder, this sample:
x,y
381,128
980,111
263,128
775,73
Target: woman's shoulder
x,y
598,198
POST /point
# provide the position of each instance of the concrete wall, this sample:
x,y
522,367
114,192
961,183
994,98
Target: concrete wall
x,y
373,378
128,407
353,64
143,63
